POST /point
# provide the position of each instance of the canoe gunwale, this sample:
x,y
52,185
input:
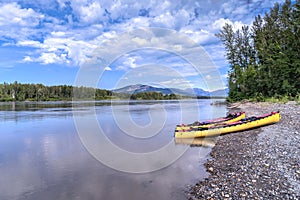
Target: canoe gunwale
x,y
235,117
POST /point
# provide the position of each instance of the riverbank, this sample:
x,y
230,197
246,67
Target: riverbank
x,y
262,163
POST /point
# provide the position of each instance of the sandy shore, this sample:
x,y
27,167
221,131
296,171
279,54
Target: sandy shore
x,y
257,164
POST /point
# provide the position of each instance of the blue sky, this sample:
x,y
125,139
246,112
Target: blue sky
x,y
48,41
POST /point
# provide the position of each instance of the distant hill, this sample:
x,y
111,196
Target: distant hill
x,y
138,88
197,92
134,89
220,93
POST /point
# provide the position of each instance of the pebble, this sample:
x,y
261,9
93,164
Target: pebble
x,y
210,169
269,156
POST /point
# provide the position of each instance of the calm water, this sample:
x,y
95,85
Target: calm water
x,y
42,155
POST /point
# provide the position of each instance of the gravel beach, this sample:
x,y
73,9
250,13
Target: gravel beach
x,y
262,163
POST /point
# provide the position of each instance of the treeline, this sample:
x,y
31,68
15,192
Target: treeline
x,y
153,96
264,57
39,92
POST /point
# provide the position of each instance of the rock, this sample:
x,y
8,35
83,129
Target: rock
x,y
210,169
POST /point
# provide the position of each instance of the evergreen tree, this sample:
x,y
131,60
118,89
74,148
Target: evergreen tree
x,y
264,58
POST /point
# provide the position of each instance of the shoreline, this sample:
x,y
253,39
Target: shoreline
x,y
119,99
262,163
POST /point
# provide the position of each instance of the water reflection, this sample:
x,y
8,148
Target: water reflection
x,y
196,142
42,157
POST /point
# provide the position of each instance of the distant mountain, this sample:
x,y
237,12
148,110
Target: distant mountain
x,y
134,89
138,88
220,93
197,92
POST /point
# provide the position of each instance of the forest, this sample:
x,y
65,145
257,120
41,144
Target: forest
x,y
154,96
39,92
264,58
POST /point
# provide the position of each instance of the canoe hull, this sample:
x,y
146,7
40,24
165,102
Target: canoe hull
x,y
229,128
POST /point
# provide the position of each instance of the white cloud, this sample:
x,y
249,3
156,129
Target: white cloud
x,y
58,33
242,10
50,58
208,77
68,32
130,62
165,20
13,14
199,36
107,69
124,9
228,7
127,62
29,43
92,22
218,24
217,54
71,47
182,19
165,5
87,12
59,50
91,13
130,24
62,3
156,75
181,48
27,59
18,23
180,83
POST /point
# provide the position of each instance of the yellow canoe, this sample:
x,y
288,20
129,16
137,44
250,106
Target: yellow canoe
x,y
244,124
233,117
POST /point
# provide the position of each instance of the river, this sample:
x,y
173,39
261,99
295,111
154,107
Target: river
x,y
46,151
